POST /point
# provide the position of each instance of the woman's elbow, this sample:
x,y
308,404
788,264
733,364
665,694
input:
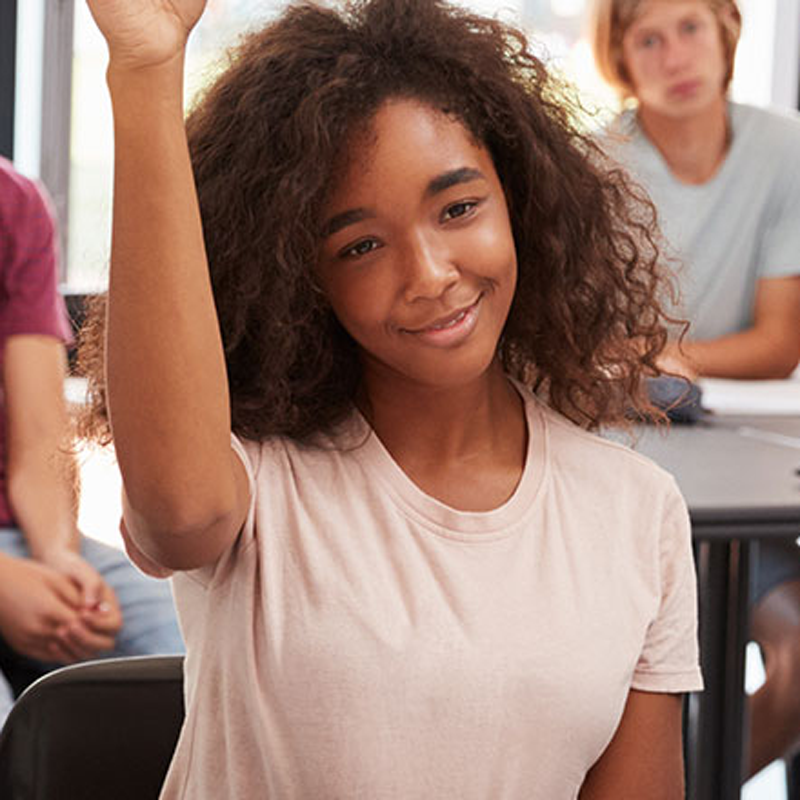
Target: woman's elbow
x,y
183,537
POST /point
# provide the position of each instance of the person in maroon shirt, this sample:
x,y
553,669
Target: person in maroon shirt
x,y
63,597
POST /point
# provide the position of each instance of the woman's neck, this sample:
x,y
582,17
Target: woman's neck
x,y
694,147
449,422
464,446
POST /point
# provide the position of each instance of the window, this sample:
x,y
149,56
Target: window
x,y
91,150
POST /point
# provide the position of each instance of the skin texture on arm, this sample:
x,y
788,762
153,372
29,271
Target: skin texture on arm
x,y
769,349
58,608
186,492
38,463
644,760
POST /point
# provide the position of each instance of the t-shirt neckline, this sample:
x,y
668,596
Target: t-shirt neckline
x,y
655,155
444,520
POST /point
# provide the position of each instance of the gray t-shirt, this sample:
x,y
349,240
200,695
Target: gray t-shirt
x,y
738,227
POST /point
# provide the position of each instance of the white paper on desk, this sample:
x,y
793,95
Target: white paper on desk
x,y
751,397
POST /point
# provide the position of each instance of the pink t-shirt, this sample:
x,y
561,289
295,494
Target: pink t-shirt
x,y
363,640
30,303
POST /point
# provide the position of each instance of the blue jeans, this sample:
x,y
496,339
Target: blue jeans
x,y
149,624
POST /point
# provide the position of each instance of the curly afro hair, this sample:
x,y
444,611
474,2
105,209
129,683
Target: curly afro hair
x,y
586,324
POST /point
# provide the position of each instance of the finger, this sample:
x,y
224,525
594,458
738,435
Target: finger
x,y
88,580
105,619
92,586
69,640
87,641
39,648
56,652
109,610
66,590
57,614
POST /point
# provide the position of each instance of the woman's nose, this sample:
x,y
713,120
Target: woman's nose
x,y
430,269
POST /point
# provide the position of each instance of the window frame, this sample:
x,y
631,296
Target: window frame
x,y
8,57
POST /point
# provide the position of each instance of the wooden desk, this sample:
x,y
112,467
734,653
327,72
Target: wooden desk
x,y
739,478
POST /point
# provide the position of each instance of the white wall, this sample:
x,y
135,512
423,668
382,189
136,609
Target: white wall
x,y
768,59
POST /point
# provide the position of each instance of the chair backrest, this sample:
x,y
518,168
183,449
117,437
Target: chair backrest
x,y
100,730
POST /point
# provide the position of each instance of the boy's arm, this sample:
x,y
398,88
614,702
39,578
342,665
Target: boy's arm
x,y
40,468
768,349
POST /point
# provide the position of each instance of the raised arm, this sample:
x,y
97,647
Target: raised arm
x,y
186,492
770,348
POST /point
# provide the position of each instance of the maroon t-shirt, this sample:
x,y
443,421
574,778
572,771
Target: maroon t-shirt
x,y
29,299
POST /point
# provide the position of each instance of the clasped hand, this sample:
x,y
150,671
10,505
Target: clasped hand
x,y
56,609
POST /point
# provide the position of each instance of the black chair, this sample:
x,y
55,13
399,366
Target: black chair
x,y
793,777
100,730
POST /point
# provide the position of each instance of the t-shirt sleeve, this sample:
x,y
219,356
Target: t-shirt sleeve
x,y
30,302
669,661
248,453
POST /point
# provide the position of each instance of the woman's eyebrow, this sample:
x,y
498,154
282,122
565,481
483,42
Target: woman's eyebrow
x,y
349,217
452,178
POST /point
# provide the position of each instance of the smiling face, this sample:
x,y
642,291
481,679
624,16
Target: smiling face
x,y
674,57
418,258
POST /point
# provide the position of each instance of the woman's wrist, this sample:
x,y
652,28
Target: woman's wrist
x,y
146,84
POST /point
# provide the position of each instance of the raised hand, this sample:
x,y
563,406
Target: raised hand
x,y
145,33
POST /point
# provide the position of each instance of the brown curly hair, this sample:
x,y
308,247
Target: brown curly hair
x,y
586,323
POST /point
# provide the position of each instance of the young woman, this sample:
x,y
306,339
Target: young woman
x,y
409,574
725,178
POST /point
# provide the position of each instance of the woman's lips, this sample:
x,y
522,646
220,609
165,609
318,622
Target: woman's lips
x,y
451,330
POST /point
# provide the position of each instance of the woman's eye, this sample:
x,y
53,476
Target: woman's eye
x,y
458,209
690,27
359,249
648,42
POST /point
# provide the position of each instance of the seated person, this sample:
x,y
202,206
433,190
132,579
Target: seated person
x,y
63,597
725,179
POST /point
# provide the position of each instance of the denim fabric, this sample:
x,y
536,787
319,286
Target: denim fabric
x,y
149,623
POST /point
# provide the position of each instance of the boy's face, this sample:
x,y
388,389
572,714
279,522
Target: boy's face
x,y
674,56
418,258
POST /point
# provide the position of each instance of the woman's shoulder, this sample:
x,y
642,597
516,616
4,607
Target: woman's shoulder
x,y
606,459
318,450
